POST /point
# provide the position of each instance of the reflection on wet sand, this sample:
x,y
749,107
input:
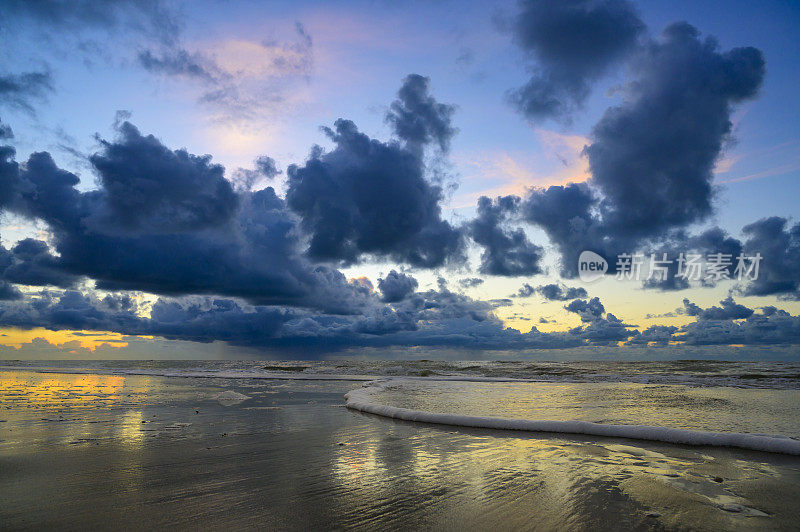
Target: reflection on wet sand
x,y
552,482
166,452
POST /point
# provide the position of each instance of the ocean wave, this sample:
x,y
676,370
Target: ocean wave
x,y
695,373
361,399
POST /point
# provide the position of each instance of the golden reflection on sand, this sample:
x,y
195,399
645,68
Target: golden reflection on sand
x,y
59,390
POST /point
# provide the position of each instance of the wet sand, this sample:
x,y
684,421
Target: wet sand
x,y
102,451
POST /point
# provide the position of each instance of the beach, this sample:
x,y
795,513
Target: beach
x,y
104,451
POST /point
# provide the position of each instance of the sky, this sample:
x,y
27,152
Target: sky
x,y
234,179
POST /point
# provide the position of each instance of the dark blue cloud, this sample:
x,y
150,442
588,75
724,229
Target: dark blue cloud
x,y
507,252
572,44
604,331
188,232
779,246
728,310
431,318
652,157
553,292
30,262
770,327
709,242
655,335
369,197
588,310
396,286
146,186
417,118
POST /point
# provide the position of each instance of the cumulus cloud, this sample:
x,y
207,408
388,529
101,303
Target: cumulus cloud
x,y
779,246
709,242
197,236
728,310
651,158
367,197
588,310
507,252
370,197
603,331
30,262
776,327
431,318
552,292
570,44
417,118
396,286
655,335
147,186
565,213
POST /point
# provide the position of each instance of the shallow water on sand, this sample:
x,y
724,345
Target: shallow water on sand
x,y
717,409
114,451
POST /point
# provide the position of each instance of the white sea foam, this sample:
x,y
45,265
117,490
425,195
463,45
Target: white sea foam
x,y
362,400
231,397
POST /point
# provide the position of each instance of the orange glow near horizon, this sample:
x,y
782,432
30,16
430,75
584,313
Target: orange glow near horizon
x,y
90,340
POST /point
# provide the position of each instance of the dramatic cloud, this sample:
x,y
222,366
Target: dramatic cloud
x,y
147,186
708,243
566,215
29,262
167,222
417,118
397,286
572,44
604,331
771,327
728,310
506,252
779,246
433,318
655,335
552,292
591,310
370,197
652,157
